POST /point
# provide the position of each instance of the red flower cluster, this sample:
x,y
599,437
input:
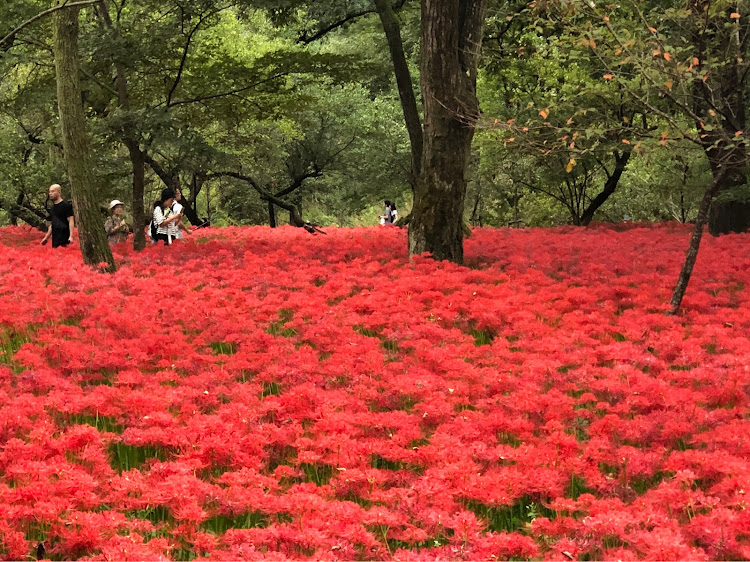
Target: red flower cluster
x,y
266,394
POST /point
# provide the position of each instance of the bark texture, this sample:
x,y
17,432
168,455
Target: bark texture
x,y
451,43
93,239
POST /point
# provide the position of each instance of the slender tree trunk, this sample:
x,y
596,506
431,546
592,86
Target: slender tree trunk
x,y
392,30
475,218
189,203
93,239
208,203
695,242
621,161
271,214
19,202
451,42
139,182
130,139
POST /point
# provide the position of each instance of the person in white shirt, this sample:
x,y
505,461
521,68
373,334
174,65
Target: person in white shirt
x,y
163,217
394,213
178,227
387,216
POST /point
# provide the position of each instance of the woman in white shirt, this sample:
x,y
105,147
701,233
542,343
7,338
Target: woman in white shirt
x,y
177,228
163,217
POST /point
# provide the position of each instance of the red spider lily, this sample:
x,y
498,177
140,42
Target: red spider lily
x,y
280,396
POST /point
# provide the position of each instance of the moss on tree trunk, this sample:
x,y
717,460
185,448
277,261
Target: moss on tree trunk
x,y
93,239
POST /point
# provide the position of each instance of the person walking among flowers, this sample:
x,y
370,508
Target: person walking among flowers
x,y
163,217
60,218
177,228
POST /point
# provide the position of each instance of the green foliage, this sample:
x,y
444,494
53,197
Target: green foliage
x,y
283,92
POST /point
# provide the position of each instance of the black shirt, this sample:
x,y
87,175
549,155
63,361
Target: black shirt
x,y
58,216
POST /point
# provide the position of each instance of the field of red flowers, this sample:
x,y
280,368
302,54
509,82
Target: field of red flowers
x,y
267,394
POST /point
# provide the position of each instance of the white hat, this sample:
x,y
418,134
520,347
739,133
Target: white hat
x,y
114,204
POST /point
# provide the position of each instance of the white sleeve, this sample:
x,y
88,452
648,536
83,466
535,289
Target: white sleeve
x,y
158,216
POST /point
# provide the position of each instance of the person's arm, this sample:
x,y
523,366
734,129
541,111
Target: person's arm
x,y
181,226
160,220
46,236
70,227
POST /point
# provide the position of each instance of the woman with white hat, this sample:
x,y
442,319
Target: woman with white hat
x,y
116,227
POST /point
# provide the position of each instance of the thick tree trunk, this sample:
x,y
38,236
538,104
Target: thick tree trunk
x,y
725,86
392,30
621,161
451,42
93,239
729,216
730,161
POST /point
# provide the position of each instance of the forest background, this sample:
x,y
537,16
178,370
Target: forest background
x,y
585,111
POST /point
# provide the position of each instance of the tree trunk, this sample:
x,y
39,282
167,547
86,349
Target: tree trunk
x,y
139,182
189,203
392,30
695,242
727,43
621,161
729,216
130,139
271,214
19,202
93,239
451,41
728,161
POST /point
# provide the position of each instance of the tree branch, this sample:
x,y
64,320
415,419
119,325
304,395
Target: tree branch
x,y
298,181
183,60
294,215
6,42
200,99
305,39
